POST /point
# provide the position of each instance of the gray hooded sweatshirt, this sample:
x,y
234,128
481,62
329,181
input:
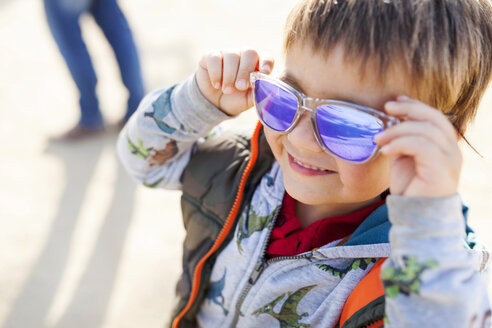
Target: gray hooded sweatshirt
x,y
435,274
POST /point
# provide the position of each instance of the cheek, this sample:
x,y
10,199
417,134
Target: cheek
x,y
274,141
372,176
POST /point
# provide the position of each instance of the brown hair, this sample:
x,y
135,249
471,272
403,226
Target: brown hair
x,y
444,45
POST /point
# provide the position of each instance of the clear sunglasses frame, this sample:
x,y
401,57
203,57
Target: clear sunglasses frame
x,y
311,105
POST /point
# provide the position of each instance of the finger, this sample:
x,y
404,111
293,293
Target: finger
x,y
416,111
266,63
248,64
212,63
230,68
413,128
406,146
425,154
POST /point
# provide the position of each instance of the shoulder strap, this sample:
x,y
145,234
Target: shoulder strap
x,y
365,305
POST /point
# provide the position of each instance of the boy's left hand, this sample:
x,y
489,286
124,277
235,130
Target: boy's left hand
x,y
425,158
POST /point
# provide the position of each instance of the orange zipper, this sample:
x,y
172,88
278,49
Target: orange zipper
x,y
225,229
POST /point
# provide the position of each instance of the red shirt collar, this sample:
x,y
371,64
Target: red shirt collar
x,y
288,238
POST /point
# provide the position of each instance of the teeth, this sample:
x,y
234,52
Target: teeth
x,y
308,166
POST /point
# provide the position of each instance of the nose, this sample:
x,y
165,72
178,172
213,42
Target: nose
x,y
302,135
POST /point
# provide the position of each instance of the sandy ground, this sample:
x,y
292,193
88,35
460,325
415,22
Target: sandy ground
x,y
81,245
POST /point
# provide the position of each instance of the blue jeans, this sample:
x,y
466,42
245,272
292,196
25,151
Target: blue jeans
x,y
63,19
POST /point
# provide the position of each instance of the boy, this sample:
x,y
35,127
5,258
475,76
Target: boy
x,y
291,226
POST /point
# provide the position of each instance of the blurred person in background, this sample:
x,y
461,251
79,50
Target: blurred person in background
x,y
63,19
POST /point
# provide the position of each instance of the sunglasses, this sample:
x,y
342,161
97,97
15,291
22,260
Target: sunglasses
x,y
342,129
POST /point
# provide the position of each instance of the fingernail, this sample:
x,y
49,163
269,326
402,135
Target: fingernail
x,y
217,85
265,68
391,104
241,84
403,97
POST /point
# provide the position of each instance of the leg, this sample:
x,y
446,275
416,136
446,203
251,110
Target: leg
x,y
65,28
116,29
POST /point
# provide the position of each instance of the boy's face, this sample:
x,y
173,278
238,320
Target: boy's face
x,y
340,187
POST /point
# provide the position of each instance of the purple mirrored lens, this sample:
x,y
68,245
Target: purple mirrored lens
x,y
347,132
276,107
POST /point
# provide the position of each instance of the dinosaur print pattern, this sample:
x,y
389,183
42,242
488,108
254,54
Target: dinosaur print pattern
x,y
215,292
252,222
159,157
161,108
287,316
153,156
154,184
405,280
138,150
361,263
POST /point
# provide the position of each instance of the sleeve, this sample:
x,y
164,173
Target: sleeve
x,y
158,140
433,278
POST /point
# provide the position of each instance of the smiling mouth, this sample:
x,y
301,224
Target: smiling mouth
x,y
307,169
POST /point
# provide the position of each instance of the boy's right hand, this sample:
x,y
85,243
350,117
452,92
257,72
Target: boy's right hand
x,y
223,78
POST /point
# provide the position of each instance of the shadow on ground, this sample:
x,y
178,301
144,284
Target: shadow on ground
x,y
89,303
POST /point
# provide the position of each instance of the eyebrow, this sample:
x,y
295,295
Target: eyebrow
x,y
290,80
